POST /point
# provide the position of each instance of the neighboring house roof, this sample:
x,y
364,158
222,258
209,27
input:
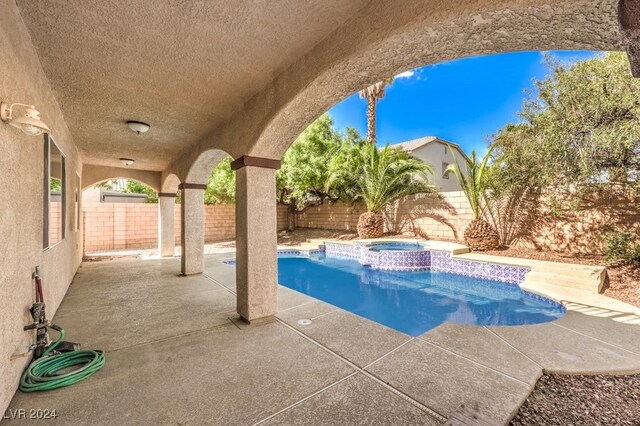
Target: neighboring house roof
x,y
414,144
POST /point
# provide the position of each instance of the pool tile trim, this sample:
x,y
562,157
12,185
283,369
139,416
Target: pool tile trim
x,y
427,259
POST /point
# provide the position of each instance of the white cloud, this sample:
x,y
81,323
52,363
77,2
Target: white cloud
x,y
406,74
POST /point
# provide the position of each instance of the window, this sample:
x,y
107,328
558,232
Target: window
x,y
445,175
54,193
445,150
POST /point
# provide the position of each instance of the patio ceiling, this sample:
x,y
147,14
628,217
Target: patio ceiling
x,y
184,67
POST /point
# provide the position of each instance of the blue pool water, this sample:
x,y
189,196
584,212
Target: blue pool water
x,y
413,302
395,247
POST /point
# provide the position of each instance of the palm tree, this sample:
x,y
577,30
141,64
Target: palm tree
x,y
379,177
474,180
373,94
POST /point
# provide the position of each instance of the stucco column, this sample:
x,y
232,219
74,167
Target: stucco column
x,y
166,221
256,237
192,225
629,17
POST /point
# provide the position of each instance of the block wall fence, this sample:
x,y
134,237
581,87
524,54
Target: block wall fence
x,y
113,226
532,224
442,216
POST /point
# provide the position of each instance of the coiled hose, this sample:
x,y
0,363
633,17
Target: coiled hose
x,y
42,373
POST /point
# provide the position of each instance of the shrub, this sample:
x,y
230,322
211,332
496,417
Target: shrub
x,y
622,247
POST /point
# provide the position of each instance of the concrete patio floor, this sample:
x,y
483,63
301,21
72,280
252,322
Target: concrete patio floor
x,y
178,354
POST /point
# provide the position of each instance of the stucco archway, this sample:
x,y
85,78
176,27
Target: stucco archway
x,y
93,175
385,39
170,183
202,167
503,27
166,215
85,187
192,211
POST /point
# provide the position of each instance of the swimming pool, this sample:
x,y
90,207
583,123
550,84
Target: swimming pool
x,y
413,302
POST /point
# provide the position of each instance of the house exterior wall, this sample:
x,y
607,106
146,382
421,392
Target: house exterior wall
x,y
21,213
439,156
91,195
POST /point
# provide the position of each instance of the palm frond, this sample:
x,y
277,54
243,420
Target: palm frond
x,y
474,179
382,176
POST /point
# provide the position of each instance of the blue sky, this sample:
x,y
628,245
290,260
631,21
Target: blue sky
x,y
463,101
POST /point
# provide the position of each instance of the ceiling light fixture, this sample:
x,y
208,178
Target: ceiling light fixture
x,y
29,122
127,161
138,126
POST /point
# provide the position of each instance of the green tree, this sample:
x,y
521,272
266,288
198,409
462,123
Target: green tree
x,y
55,184
344,164
301,180
580,132
378,177
221,185
134,187
130,187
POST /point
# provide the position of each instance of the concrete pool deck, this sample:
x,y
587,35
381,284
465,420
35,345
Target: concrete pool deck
x,y
177,353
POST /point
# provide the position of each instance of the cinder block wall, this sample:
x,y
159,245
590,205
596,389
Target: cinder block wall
x,y
436,216
330,216
582,229
282,218
114,226
55,217
444,216
219,222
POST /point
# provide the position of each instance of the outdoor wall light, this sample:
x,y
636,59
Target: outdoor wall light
x,y
29,122
127,161
138,126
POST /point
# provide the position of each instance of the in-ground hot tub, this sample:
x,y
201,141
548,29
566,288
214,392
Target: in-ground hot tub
x,y
395,256
395,246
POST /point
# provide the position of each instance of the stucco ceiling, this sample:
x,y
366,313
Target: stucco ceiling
x,y
183,66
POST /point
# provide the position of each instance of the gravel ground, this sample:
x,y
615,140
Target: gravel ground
x,y
582,400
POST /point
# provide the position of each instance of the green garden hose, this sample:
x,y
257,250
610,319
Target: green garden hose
x,y
42,373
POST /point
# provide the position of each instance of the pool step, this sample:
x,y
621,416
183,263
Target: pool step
x,y
314,241
590,282
570,269
309,246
